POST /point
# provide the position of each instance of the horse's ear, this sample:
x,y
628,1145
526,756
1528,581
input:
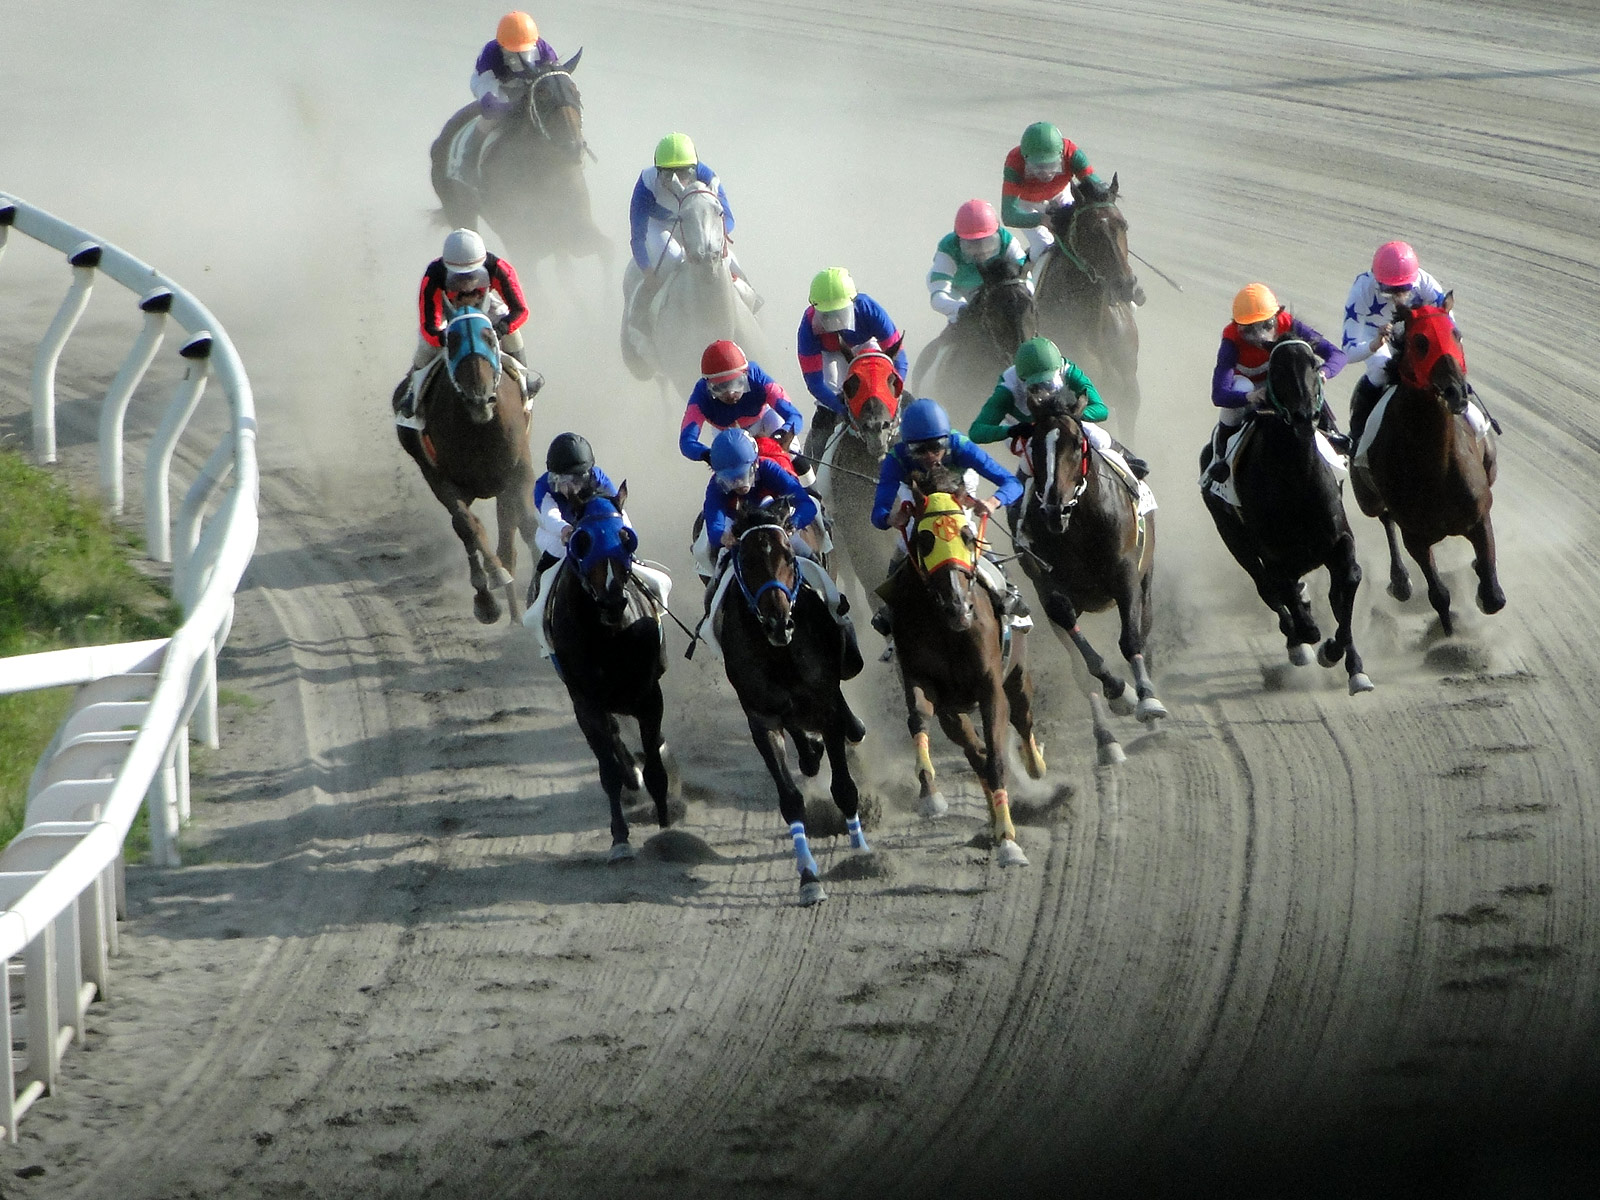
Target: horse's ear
x,y
1449,301
622,494
1114,186
572,63
582,542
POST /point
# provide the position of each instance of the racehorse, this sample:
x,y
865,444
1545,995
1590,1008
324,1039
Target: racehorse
x,y
968,356
697,303
1290,517
861,440
1086,547
1086,292
956,656
529,181
1431,472
475,447
607,645
786,657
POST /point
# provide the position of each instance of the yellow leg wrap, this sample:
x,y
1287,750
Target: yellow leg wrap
x,y
1000,806
924,762
1033,756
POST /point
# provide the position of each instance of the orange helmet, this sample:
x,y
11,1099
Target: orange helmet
x,y
1255,302
517,32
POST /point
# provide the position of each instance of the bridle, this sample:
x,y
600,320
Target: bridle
x,y
1044,450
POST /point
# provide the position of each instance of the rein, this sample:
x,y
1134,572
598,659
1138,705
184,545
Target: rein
x,y
533,105
1069,506
753,599
1279,409
1069,247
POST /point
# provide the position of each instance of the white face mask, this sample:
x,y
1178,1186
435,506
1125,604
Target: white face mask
x,y
837,321
979,250
1040,170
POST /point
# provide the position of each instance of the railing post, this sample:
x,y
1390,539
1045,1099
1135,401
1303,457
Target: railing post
x,y
8,216
158,459
155,305
84,259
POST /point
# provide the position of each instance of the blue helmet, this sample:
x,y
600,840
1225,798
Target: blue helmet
x,y
924,420
732,448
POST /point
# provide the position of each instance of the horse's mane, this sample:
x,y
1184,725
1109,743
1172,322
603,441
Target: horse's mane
x,y
1002,268
1062,405
940,479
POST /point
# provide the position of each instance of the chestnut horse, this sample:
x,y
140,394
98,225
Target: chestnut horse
x,y
1086,547
956,656
849,464
1086,293
1428,474
475,447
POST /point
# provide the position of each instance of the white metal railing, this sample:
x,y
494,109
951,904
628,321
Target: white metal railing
x,y
126,738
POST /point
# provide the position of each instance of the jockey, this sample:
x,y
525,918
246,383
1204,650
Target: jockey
x,y
1037,182
740,476
660,188
838,321
734,392
1239,383
1396,278
466,273
571,479
1041,372
927,441
506,67
977,239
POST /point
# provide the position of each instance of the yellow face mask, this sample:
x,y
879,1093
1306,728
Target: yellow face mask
x,y
944,520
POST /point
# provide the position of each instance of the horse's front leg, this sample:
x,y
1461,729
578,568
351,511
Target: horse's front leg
x,y
1344,577
995,710
930,802
1438,593
1019,697
1059,608
1399,577
476,541
1490,598
656,782
508,509
600,731
768,737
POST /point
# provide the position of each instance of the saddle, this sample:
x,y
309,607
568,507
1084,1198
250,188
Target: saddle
x,y
464,162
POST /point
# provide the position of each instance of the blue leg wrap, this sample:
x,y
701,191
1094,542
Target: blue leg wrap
x,y
802,849
858,840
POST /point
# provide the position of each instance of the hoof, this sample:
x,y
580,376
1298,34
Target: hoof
x,y
1120,703
1150,709
1490,605
1400,589
499,577
1010,854
621,852
1360,683
1324,659
932,805
1111,755
1300,654
486,608
812,893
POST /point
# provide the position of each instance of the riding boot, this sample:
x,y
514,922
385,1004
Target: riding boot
x,y
1137,465
748,294
883,622
1217,472
1329,425
405,414
1362,401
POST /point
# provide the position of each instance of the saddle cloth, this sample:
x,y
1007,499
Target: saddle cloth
x,y
1225,490
466,154
1477,421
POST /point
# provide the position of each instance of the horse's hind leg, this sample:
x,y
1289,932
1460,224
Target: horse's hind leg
x,y
1399,577
1490,598
1344,574
1438,593
1108,749
600,731
508,509
476,541
1064,618
1019,695
930,801
1132,607
656,783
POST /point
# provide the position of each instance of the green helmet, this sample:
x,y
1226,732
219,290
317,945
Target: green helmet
x,y
832,289
1038,360
1042,142
675,150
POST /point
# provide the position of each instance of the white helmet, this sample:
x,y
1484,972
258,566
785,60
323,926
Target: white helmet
x,y
463,251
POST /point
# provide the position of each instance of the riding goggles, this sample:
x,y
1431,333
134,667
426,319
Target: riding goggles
x,y
730,389
737,479
568,483
838,320
929,446
1043,389
982,249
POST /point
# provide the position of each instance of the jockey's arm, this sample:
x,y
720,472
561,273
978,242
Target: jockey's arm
x,y
549,537
694,418
1229,389
784,484
994,421
1094,408
503,281
639,212
941,284
430,306
890,477
967,456
812,367
873,321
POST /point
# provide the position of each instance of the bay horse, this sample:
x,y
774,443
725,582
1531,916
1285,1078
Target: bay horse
x,y
1290,519
475,447
1431,474
606,643
697,303
968,356
530,183
1086,291
786,657
956,656
862,438
1086,547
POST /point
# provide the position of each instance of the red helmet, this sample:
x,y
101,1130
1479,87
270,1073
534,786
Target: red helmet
x,y
1395,265
722,361
976,219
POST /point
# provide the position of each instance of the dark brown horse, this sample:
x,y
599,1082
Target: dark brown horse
x,y
1086,291
786,657
871,393
954,656
475,447
1085,546
959,366
530,185
1431,475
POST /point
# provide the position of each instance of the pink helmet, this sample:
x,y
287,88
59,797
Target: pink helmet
x,y
976,219
1395,265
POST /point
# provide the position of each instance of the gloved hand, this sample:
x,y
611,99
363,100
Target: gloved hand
x,y
1022,429
502,328
702,452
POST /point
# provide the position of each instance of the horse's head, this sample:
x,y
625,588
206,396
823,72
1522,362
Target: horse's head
x,y
943,547
871,393
555,109
765,568
1093,236
1430,358
472,353
1294,383
601,552
1003,306
700,226
1058,452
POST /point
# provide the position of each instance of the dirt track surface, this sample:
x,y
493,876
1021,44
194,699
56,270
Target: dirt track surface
x,y
1301,942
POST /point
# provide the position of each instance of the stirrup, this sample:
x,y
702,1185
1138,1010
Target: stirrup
x,y
888,652
882,624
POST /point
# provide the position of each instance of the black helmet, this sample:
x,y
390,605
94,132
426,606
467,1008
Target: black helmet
x,y
569,454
